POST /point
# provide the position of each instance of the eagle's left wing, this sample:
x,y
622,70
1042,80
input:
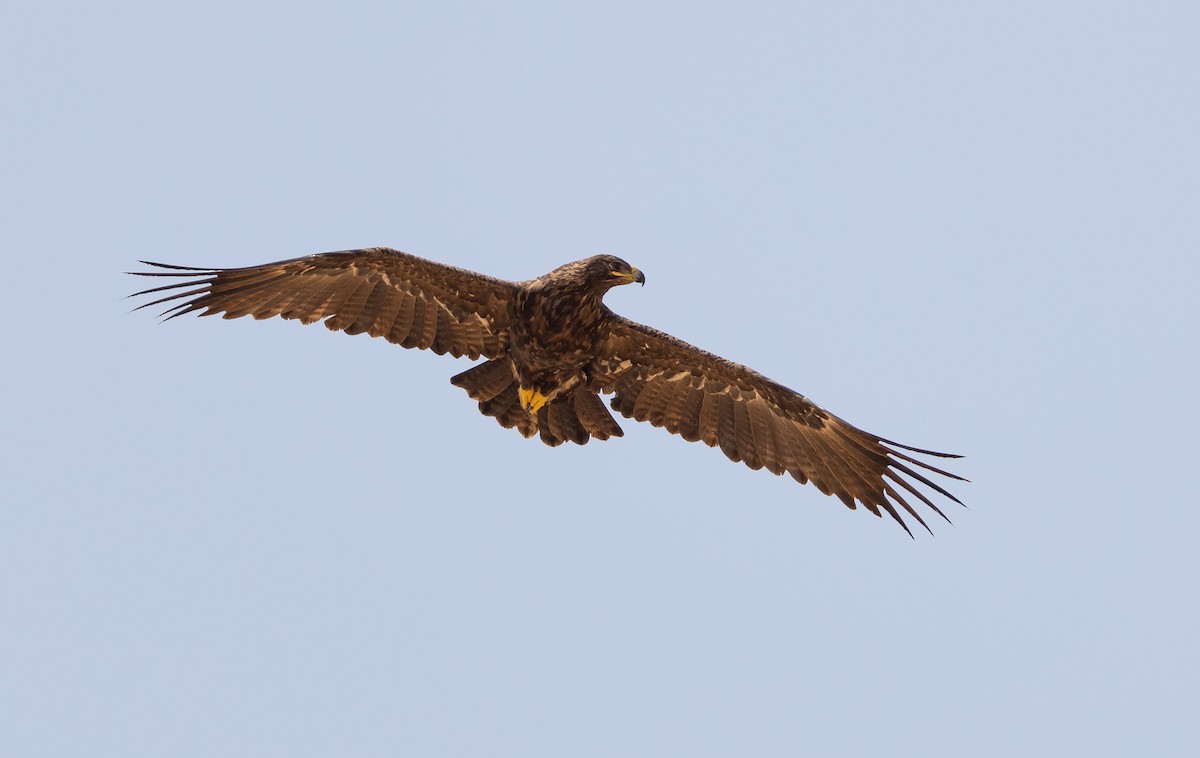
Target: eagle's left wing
x,y
701,396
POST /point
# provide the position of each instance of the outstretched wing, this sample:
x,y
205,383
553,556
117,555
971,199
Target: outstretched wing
x,y
701,396
385,293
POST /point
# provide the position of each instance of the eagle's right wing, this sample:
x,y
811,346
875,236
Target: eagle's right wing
x,y
407,300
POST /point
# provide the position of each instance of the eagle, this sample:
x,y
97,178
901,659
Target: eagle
x,y
551,347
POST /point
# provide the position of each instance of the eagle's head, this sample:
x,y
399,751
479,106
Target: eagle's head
x,y
607,271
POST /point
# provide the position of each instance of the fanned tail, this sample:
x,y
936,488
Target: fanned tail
x,y
577,417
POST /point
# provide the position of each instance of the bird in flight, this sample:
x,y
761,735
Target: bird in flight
x,y
551,347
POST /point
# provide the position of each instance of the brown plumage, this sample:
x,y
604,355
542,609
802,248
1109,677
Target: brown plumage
x,y
551,347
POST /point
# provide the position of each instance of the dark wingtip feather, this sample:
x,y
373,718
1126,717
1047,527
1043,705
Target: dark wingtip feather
x,y
919,450
923,464
196,278
170,266
891,511
898,466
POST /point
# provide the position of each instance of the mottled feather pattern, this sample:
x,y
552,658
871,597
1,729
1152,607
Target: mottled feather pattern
x,y
384,293
664,381
553,337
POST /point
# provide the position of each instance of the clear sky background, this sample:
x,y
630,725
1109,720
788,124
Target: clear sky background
x,y
966,226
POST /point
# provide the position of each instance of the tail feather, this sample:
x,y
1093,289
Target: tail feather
x,y
594,415
486,380
577,417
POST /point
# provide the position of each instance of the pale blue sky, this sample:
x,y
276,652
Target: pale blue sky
x,y
971,227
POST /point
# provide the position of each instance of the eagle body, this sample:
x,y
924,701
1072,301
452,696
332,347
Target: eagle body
x,y
558,323
551,348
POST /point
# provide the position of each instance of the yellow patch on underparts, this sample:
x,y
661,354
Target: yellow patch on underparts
x,y
531,400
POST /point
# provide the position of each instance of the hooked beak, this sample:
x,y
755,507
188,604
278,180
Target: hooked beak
x,y
633,276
